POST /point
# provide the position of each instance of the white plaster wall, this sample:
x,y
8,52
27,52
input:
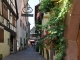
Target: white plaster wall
x,y
44,21
20,31
4,47
0,7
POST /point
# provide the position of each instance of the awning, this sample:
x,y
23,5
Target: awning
x,y
31,40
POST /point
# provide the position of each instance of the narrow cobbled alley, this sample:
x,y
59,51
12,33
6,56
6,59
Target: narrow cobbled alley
x,y
27,54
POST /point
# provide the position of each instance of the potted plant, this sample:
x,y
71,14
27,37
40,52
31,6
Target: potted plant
x,y
1,56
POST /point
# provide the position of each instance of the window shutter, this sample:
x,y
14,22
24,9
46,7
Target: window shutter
x,y
13,20
1,35
5,11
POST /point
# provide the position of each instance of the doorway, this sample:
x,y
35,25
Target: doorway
x,y
11,44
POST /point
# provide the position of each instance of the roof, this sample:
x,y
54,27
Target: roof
x,y
32,30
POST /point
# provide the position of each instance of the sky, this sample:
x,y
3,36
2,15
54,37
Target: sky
x,y
32,4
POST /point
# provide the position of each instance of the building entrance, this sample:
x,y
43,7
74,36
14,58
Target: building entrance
x,y
11,44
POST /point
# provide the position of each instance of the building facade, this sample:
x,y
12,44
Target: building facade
x,y
47,53
28,31
8,20
22,24
71,33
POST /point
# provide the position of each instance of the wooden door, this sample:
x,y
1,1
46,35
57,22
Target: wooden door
x,y
79,45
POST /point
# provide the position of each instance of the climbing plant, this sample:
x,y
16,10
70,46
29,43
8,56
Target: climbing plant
x,y
56,32
46,6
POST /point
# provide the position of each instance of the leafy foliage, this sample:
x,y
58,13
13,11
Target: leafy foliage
x,y
46,6
57,25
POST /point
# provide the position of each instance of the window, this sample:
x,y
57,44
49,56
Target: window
x,y
24,41
9,14
20,41
26,24
21,23
33,35
7,24
1,35
10,17
25,28
5,11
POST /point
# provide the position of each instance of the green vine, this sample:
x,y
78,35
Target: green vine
x,y
57,24
46,6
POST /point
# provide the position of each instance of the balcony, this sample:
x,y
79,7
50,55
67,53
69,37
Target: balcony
x,y
7,25
12,27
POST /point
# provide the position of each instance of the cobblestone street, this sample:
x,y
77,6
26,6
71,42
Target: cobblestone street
x,y
28,54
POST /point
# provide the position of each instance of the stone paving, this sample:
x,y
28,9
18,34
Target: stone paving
x,y
28,54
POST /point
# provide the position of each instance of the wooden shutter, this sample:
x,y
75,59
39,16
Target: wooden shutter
x,y
1,35
5,11
13,20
